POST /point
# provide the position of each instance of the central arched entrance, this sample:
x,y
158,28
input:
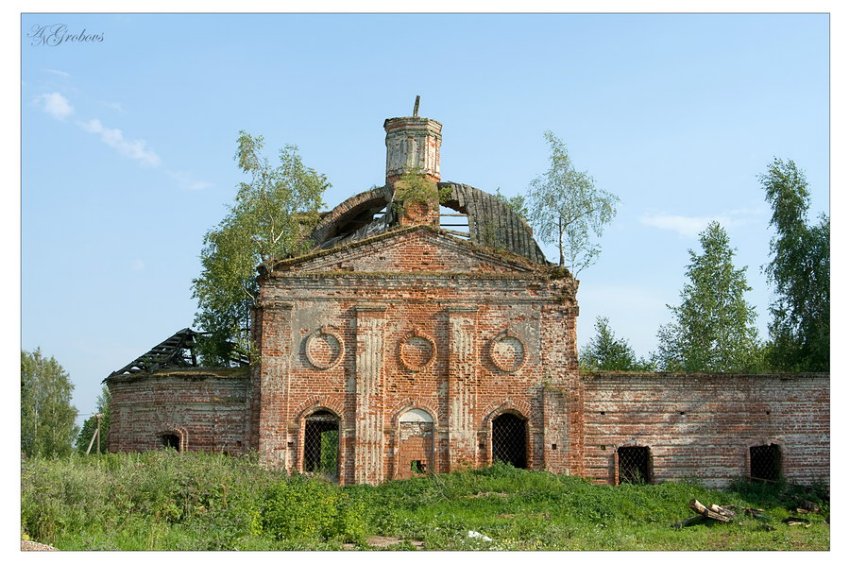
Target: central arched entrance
x,y
321,444
510,440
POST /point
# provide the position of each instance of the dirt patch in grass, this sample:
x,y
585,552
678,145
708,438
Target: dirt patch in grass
x,y
35,546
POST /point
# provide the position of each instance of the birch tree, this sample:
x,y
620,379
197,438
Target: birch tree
x,y
269,219
567,209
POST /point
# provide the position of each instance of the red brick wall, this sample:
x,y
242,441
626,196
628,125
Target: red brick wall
x,y
702,426
206,411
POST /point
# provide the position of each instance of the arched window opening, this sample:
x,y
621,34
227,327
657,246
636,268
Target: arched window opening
x,y
321,444
510,440
170,441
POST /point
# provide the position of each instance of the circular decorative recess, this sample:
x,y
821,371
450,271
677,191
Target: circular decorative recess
x,y
324,348
416,351
507,352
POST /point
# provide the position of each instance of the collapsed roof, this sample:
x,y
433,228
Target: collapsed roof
x,y
483,218
180,351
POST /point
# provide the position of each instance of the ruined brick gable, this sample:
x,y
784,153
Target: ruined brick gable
x,y
409,250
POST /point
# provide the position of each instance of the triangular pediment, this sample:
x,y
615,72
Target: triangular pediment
x,y
410,250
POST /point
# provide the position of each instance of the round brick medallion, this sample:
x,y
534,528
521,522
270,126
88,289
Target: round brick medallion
x,y
507,352
324,348
416,351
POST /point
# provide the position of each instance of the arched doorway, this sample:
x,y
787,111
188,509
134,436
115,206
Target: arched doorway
x,y
510,440
321,444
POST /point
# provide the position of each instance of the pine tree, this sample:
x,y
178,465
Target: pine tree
x,y
714,327
606,352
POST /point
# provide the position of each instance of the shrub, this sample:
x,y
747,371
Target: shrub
x,y
299,509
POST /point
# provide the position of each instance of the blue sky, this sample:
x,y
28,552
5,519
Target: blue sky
x,y
128,143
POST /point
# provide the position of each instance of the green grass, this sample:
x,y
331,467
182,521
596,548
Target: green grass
x,y
165,501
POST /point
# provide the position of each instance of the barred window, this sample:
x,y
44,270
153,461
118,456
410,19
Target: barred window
x,y
633,465
766,462
321,444
509,440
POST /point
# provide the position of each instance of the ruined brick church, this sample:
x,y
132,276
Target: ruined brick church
x,y
426,332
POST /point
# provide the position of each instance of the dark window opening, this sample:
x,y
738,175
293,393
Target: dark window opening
x,y
321,444
418,466
509,440
633,465
171,441
766,462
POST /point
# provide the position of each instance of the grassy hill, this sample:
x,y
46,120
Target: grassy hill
x,y
168,501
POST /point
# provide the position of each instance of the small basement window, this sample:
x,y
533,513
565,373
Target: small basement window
x,y
766,462
170,441
633,465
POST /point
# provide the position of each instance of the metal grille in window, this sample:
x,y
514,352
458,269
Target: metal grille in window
x,y
766,462
321,444
633,464
509,440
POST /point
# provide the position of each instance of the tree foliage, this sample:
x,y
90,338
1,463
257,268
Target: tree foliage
x,y
516,203
799,271
271,215
606,352
714,327
567,209
90,425
47,416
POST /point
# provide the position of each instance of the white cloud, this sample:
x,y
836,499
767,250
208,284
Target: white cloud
x,y
137,265
62,74
135,149
55,105
187,181
688,226
691,226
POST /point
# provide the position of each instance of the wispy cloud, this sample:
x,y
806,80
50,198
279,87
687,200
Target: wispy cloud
x,y
188,181
58,73
55,105
691,226
133,148
137,265
688,226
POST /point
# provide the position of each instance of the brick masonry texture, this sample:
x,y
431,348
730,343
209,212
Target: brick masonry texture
x,y
207,411
702,426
